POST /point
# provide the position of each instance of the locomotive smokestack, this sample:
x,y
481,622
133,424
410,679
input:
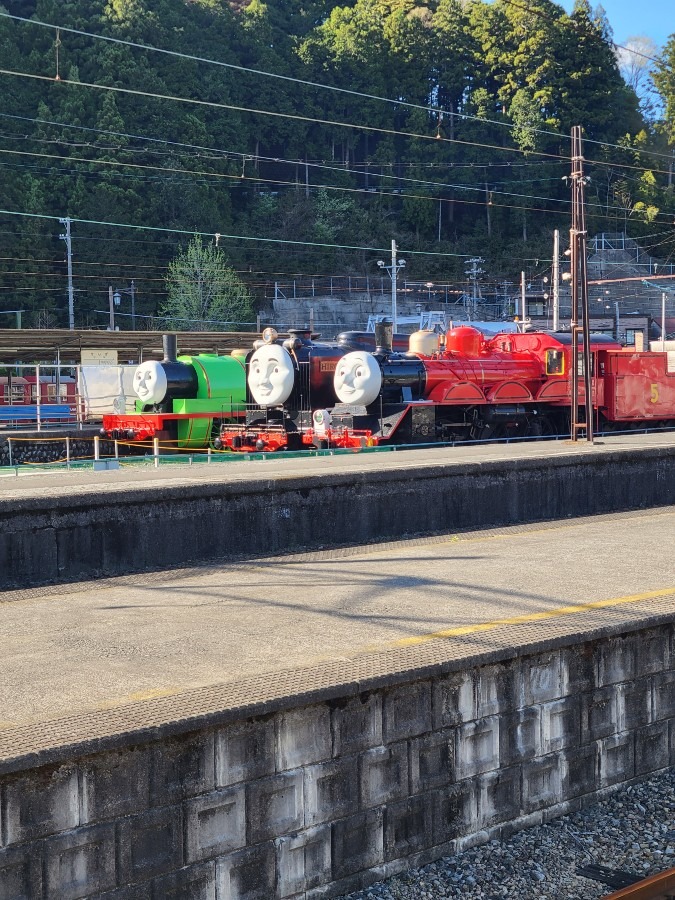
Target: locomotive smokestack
x,y
384,336
170,346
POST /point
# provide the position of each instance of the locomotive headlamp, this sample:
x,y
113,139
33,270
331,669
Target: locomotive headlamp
x,y
270,335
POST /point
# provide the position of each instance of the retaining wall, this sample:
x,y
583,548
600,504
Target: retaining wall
x,y
114,528
324,794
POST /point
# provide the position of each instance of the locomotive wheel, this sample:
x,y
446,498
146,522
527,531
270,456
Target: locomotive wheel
x,y
215,433
548,426
293,441
487,432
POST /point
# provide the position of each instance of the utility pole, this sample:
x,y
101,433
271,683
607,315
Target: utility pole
x,y
71,298
393,270
473,273
556,280
488,204
111,301
579,274
523,301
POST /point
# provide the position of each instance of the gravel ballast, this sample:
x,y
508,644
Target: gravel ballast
x,y
633,830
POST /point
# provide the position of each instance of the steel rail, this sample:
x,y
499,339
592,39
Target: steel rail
x,y
656,887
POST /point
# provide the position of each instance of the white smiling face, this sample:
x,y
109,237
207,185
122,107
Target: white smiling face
x,y
358,378
271,375
150,382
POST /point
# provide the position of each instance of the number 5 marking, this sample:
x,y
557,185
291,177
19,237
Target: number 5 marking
x,y
654,394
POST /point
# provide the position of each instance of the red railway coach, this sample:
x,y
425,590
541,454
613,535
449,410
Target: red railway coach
x,y
65,391
19,399
14,391
639,386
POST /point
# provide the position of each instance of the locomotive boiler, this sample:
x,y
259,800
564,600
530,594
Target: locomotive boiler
x,y
286,381
201,401
183,400
508,385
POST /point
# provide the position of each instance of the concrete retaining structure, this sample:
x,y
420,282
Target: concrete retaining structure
x,y
115,527
344,783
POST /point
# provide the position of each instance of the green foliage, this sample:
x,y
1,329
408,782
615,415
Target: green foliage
x,y
342,169
204,293
527,121
334,213
664,79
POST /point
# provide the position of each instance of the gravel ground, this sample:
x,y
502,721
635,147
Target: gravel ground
x,y
633,830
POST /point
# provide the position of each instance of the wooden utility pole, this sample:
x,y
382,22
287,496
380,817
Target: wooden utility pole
x,y
579,297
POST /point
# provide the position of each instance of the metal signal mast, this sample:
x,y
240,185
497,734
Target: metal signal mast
x,y
579,274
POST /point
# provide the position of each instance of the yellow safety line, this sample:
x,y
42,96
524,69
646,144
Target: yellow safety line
x,y
532,617
137,696
421,639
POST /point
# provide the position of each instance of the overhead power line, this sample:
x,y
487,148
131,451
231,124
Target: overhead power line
x,y
204,176
436,111
230,107
238,237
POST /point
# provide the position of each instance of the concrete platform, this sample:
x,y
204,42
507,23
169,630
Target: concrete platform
x,y
298,726
73,525
106,645
230,468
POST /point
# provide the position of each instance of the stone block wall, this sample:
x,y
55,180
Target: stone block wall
x,y
316,801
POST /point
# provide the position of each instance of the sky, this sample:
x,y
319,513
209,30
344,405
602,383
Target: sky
x,y
653,18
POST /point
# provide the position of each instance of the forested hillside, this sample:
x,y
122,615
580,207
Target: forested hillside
x,y
305,133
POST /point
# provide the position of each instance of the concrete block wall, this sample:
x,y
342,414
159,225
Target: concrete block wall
x,y
315,801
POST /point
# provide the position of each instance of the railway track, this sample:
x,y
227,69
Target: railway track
x,y
656,887
630,887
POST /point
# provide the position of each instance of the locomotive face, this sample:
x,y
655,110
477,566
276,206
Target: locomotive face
x,y
271,375
150,382
358,378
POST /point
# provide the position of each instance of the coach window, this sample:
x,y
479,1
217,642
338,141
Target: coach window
x,y
17,394
555,362
580,364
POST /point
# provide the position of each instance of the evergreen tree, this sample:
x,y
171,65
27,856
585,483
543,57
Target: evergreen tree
x,y
204,293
